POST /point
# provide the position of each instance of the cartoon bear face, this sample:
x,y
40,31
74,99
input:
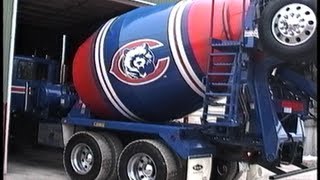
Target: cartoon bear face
x,y
138,62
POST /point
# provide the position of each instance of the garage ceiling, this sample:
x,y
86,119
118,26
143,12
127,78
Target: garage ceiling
x,y
61,14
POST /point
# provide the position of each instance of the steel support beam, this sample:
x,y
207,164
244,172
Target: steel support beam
x,y
9,19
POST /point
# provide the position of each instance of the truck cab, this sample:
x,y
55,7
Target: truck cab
x,y
38,100
31,72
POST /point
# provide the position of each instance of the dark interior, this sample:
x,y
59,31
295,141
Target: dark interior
x,y
39,32
41,24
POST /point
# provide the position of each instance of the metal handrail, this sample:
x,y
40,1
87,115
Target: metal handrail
x,y
26,96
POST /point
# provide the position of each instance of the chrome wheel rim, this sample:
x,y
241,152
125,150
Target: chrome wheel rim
x,y
82,158
294,24
141,167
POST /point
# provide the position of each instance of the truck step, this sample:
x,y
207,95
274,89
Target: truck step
x,y
223,64
218,104
223,43
215,115
291,173
223,54
224,124
220,74
217,94
221,84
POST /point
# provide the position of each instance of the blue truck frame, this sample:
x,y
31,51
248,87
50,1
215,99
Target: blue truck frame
x,y
187,139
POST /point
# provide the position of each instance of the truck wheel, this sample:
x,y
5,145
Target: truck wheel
x,y
148,159
116,147
287,28
88,156
224,170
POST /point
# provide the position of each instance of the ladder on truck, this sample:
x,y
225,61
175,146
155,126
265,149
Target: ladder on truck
x,y
227,90
222,85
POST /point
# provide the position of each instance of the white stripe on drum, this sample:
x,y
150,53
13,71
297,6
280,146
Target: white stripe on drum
x,y
183,52
174,50
111,95
98,68
104,72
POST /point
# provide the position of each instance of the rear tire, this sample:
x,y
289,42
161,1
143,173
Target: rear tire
x,y
116,147
289,37
88,156
224,170
148,158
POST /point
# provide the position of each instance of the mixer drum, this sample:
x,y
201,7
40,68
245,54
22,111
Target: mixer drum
x,y
148,64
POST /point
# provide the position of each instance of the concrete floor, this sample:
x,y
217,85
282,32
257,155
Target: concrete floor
x,y
46,164
41,163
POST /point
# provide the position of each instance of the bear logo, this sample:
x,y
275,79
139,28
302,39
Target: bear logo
x,y
138,62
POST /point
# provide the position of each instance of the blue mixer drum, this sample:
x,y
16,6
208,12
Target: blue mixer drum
x,y
148,64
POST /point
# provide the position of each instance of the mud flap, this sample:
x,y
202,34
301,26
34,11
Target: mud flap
x,y
199,167
243,167
67,132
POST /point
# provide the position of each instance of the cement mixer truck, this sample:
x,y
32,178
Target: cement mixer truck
x,y
141,71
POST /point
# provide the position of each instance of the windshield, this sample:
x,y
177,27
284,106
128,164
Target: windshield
x,y
32,71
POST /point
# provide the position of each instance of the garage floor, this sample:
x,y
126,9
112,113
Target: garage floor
x,y
44,163
41,163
